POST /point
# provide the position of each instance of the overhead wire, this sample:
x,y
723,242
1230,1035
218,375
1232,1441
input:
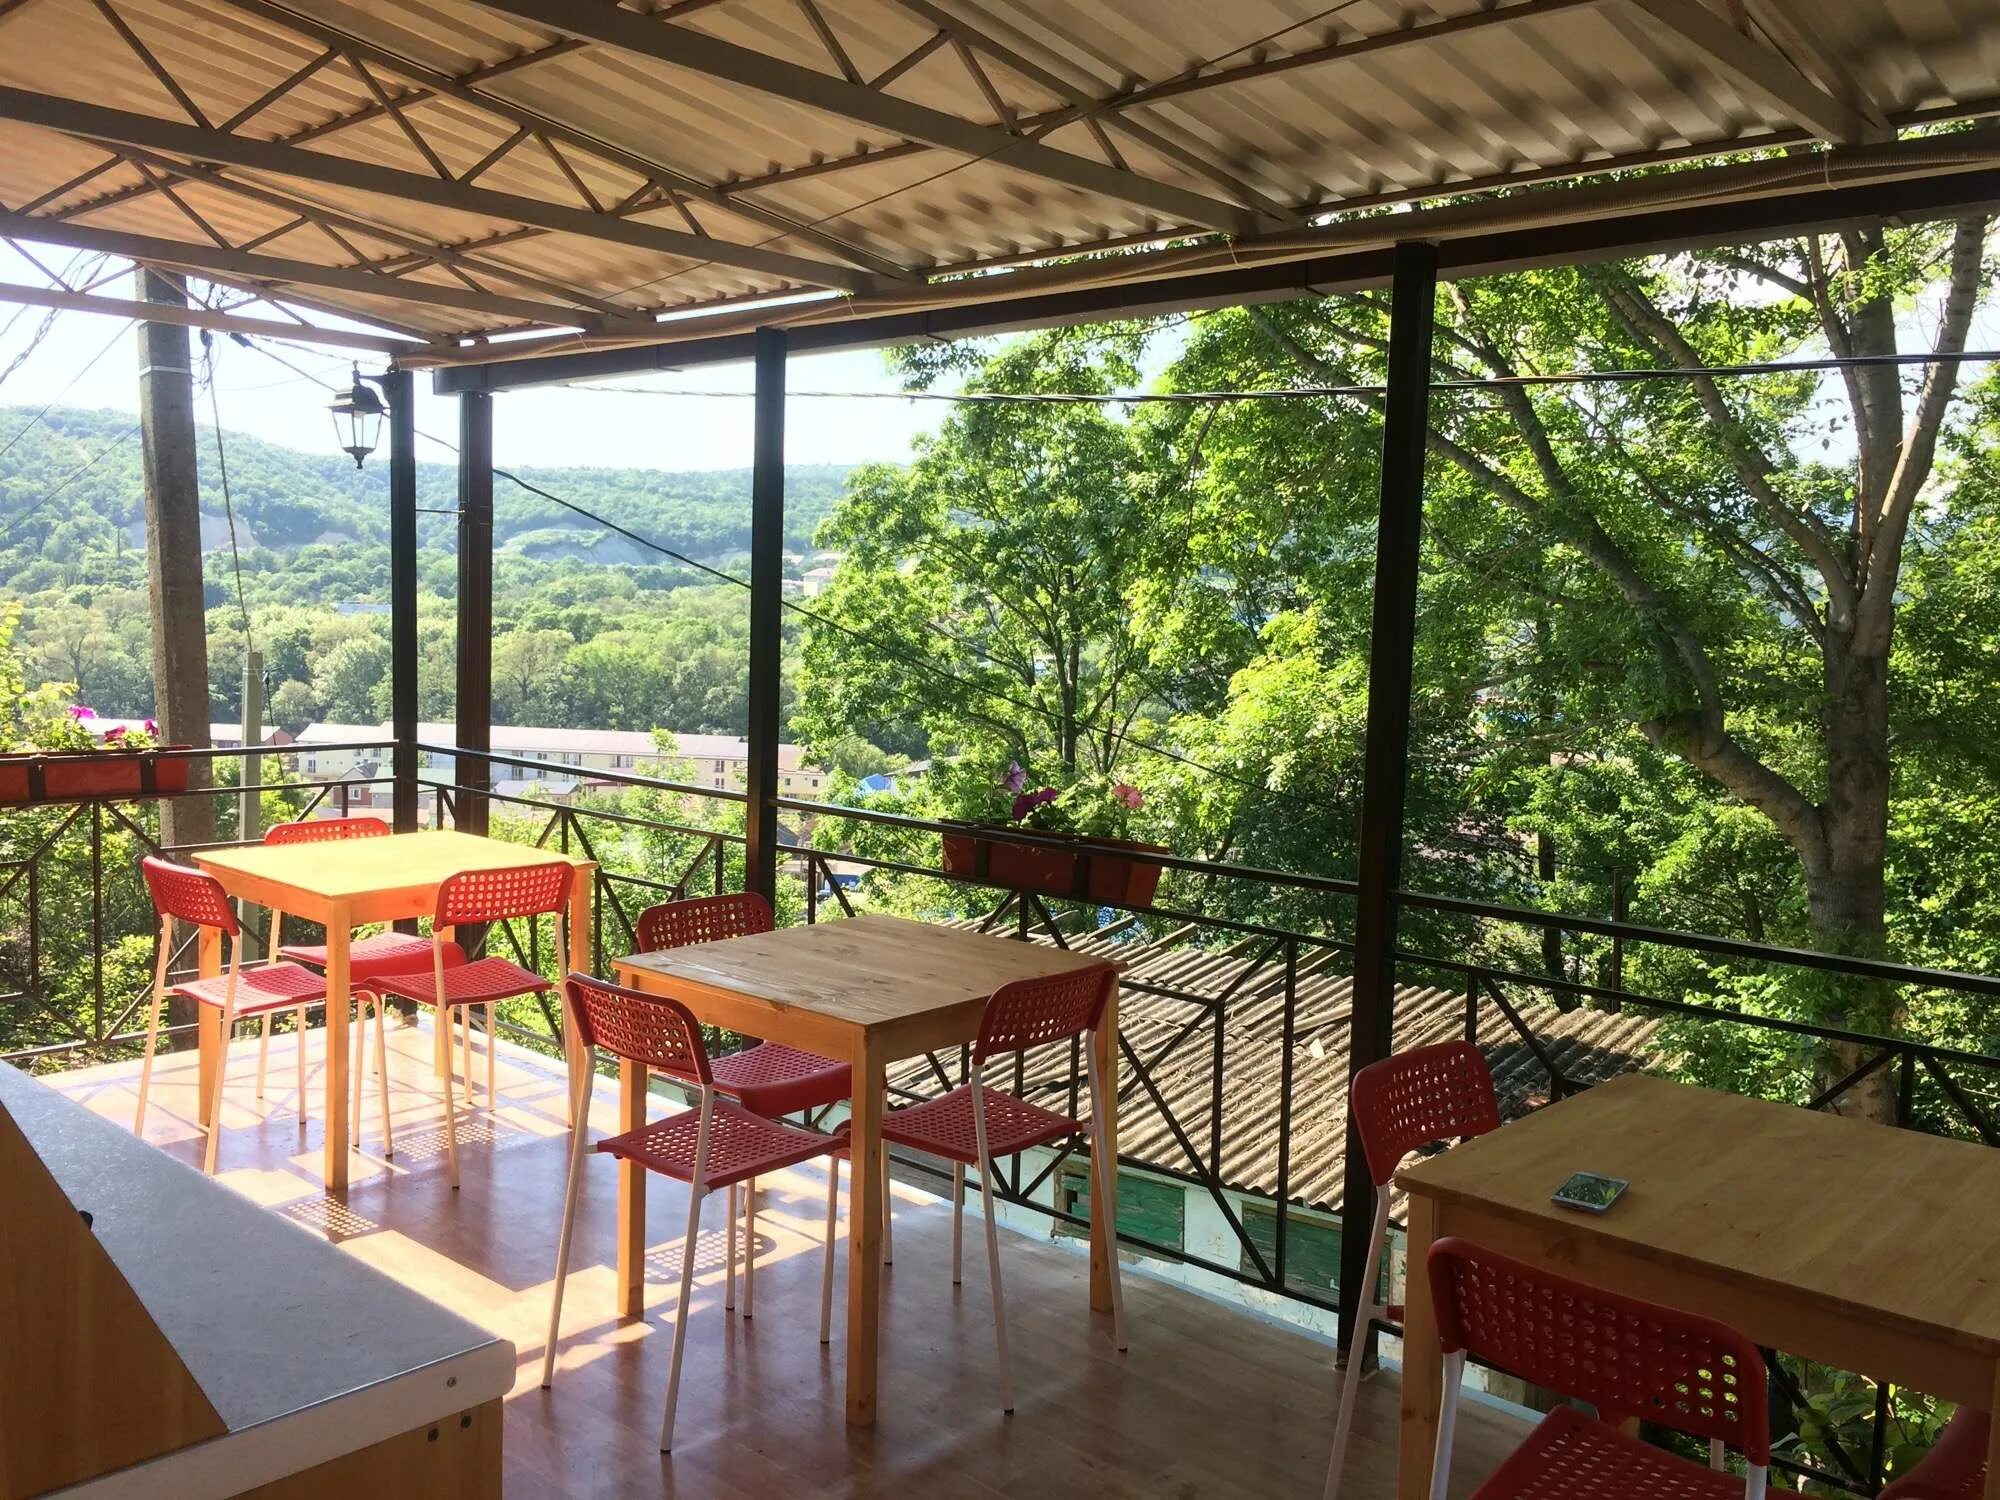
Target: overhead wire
x,y
222,470
1314,392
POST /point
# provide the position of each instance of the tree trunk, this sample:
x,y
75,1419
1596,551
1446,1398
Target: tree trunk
x,y
173,561
1846,891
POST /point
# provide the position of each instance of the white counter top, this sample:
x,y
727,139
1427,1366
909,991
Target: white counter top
x,y
304,1352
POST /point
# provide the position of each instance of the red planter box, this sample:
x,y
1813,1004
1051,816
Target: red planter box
x,y
1091,870
75,775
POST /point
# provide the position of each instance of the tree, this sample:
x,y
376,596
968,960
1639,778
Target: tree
x,y
293,705
1696,542
347,677
994,581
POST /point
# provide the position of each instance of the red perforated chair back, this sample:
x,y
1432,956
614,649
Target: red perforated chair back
x,y
1438,1093
707,919
326,830
1625,1357
188,895
496,895
649,1029
1030,1012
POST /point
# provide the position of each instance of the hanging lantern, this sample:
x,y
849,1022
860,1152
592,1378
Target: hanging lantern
x,y
357,420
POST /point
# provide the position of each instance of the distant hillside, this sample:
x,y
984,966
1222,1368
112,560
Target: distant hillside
x,y
286,499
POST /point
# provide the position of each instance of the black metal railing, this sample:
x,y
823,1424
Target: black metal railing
x,y
1232,1040
76,928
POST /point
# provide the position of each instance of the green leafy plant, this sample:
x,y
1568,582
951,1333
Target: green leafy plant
x,y
1096,806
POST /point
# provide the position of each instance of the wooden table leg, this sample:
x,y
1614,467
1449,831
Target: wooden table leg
x,y
339,1026
208,1025
1103,1232
581,880
441,1027
1423,1365
864,1234
632,1079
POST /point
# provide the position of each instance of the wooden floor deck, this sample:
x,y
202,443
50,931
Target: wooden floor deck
x,y
1210,1403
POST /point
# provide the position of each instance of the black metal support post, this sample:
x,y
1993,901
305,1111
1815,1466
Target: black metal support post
x,y
767,581
474,712
1385,768
398,390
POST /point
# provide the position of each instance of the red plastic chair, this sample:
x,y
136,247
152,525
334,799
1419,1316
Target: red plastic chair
x,y
477,896
973,1124
367,959
1628,1359
766,1078
716,1144
1955,1468
198,899
1402,1103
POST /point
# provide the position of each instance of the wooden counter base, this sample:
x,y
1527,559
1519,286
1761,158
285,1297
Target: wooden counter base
x,y
456,1459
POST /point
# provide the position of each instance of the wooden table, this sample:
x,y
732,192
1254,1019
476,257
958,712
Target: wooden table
x,y
1857,1245
872,991
344,884
187,1342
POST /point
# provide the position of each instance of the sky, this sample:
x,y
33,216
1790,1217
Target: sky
x,y
613,429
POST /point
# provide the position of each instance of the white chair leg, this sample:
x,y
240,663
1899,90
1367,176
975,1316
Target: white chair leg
x,y
750,1249
382,1074
1350,1378
465,1051
729,1276
826,1257
153,1028
888,1214
1107,1160
576,1139
357,1063
957,1220
992,1241
696,1188
300,1023
450,1119
215,1093
263,1052
1454,1373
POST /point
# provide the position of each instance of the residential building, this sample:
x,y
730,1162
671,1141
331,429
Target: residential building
x,y
720,761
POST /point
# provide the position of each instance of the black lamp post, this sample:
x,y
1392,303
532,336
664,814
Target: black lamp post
x,y
357,418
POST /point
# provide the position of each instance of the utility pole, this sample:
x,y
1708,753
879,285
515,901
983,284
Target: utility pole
x,y
173,561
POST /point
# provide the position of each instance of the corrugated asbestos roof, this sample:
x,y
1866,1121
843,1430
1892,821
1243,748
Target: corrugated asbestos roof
x,y
1589,1046
452,170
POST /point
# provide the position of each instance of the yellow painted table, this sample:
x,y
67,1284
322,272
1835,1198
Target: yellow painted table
x,y
870,991
348,883
1857,1245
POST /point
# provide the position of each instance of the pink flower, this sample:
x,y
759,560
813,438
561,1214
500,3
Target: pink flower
x,y
82,711
151,727
1027,802
114,734
1128,794
1015,779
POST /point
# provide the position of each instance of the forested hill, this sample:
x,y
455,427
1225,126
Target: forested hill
x,y
55,502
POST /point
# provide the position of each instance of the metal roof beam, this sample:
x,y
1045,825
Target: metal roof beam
x,y
1487,252
464,89
201,317
1762,71
124,128
451,257
193,257
746,68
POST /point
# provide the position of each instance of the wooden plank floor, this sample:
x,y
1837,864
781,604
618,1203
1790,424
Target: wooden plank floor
x,y
1210,1403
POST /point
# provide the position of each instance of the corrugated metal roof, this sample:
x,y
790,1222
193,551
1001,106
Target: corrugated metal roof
x,y
1176,1034
578,165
